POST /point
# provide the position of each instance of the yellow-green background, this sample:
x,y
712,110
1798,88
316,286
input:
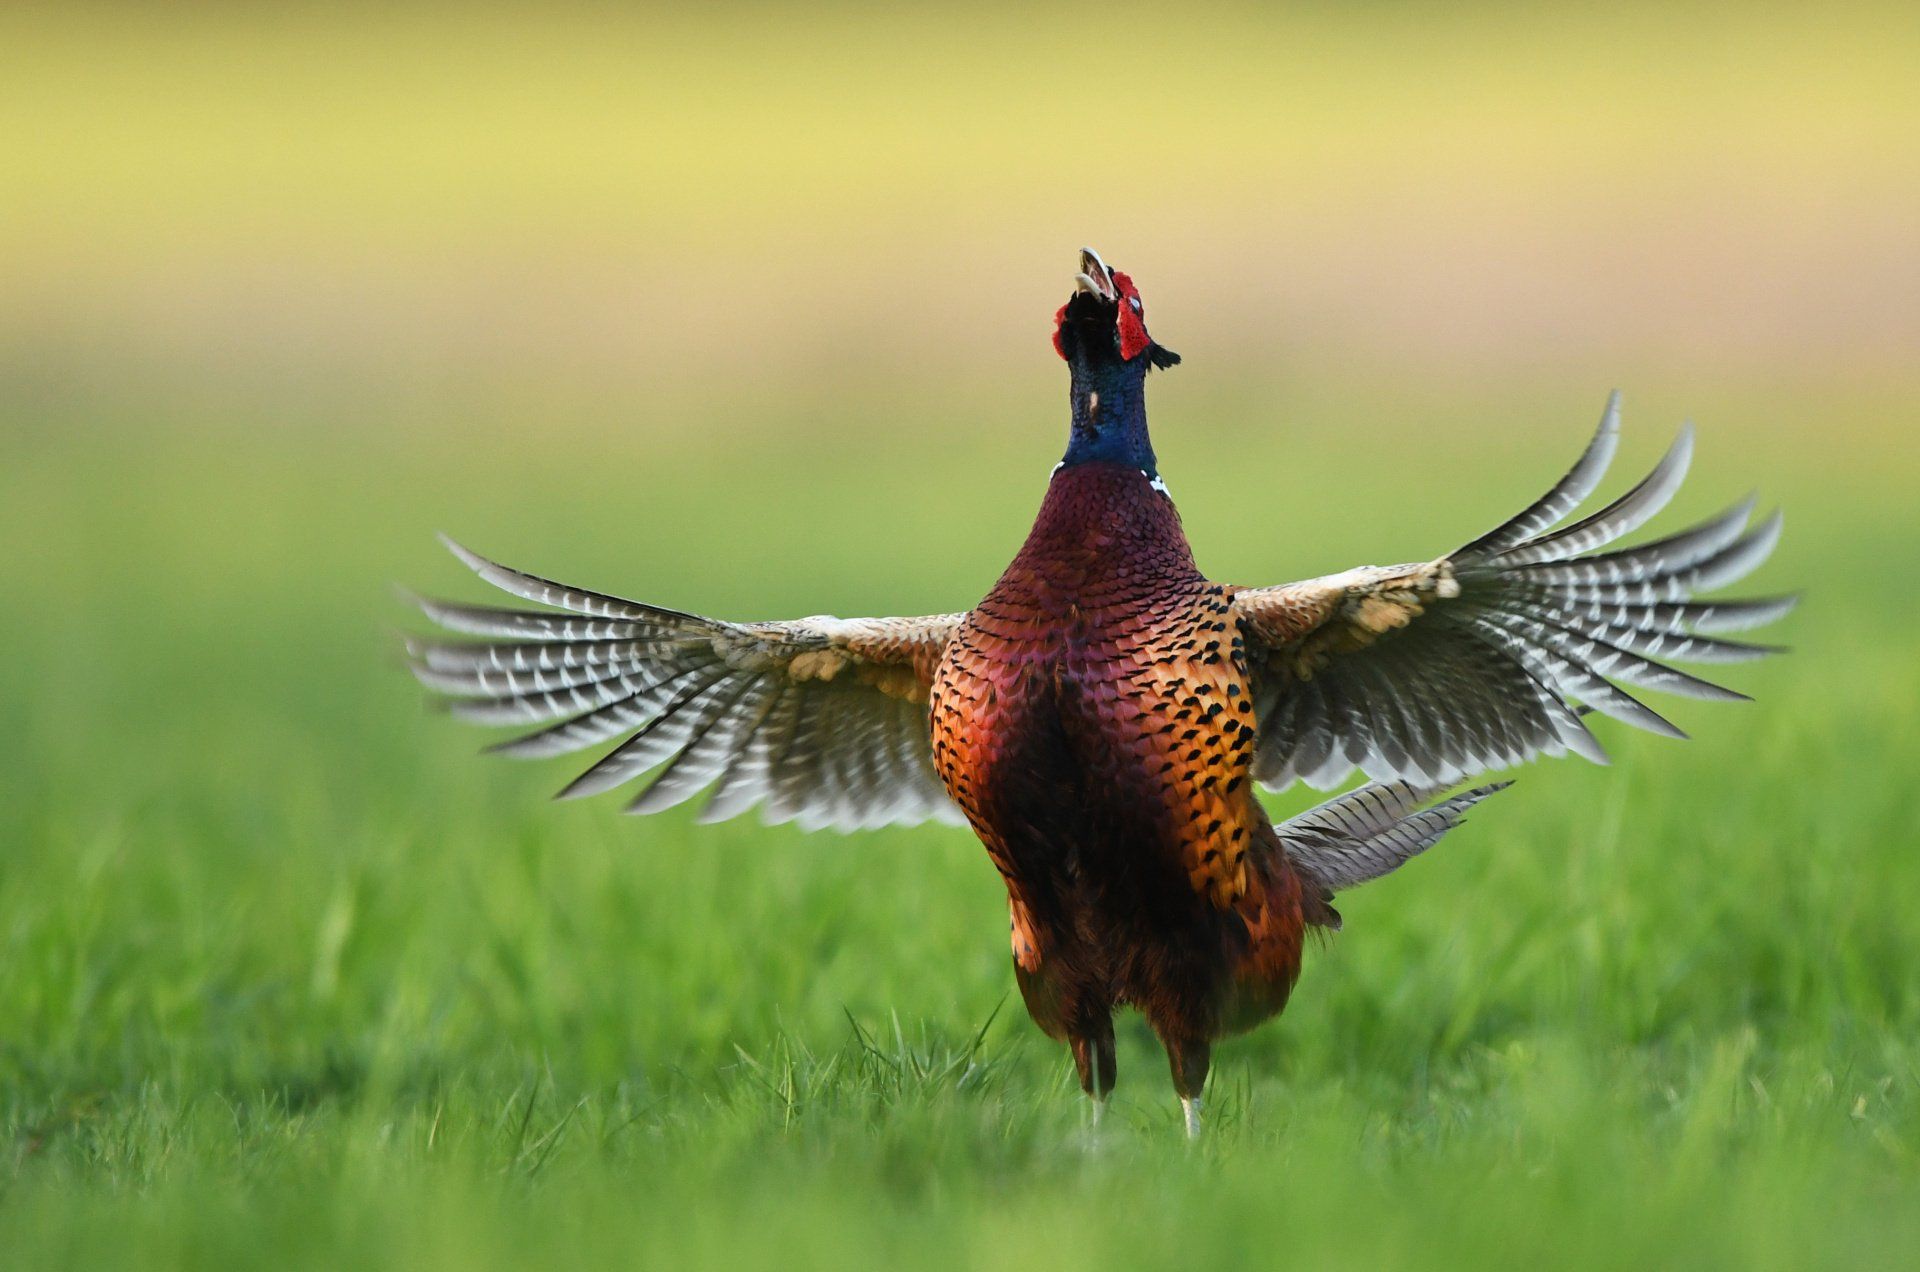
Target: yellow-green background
x,y
744,310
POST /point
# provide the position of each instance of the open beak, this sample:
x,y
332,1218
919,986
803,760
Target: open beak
x,y
1095,278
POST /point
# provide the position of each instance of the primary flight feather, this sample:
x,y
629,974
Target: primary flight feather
x,y
1102,716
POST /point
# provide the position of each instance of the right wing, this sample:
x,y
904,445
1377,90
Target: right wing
x,y
822,721
1432,672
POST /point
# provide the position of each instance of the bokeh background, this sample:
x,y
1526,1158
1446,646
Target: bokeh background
x,y
744,309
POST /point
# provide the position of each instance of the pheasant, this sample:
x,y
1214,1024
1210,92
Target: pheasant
x,y
1102,718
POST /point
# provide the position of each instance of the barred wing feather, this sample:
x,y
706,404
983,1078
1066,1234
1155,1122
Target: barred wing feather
x,y
1431,672
820,721
1365,833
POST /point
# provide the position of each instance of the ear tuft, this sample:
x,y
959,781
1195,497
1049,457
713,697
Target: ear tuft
x,y
1162,357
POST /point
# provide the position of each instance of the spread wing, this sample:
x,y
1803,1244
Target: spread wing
x,y
822,721
1431,672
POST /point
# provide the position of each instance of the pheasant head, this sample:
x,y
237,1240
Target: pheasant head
x,y
1101,332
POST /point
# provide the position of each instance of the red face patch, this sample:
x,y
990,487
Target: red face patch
x,y
1133,318
1132,321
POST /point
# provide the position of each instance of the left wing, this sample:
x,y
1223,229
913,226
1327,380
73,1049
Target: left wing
x,y
1431,672
823,721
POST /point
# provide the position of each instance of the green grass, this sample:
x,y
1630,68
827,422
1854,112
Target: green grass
x,y
288,976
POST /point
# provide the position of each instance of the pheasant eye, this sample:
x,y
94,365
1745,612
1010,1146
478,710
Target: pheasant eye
x,y
1135,302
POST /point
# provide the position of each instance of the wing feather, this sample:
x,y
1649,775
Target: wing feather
x,y
1371,831
822,721
1565,495
1431,672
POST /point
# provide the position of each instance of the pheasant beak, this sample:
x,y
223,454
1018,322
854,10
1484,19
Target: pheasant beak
x,y
1094,278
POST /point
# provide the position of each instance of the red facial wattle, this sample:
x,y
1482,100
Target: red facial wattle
x,y
1133,318
1129,321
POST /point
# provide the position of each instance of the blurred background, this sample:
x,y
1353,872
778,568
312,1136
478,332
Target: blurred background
x,y
615,290
744,309
355,220
664,234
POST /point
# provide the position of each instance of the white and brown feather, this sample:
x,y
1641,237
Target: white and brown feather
x,y
1430,673
821,721
1422,674
1355,838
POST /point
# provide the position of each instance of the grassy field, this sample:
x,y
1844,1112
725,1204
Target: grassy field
x,y
744,312
289,976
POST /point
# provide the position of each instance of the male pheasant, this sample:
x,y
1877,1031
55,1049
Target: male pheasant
x,y
1102,717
